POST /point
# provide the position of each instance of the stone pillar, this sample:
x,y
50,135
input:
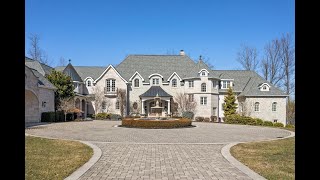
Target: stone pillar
x,y
142,107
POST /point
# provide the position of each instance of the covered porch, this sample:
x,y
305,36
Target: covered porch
x,y
155,102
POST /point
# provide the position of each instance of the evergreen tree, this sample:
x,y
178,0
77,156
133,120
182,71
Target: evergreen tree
x,y
230,104
63,84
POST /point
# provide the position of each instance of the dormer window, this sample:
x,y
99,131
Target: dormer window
x,y
89,83
264,87
225,84
203,73
174,82
136,83
155,81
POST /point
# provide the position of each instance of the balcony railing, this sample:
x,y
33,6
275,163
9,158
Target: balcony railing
x,y
110,92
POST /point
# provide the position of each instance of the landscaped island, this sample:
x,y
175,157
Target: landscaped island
x,y
156,123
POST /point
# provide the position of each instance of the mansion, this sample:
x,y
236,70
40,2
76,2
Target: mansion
x,y
146,77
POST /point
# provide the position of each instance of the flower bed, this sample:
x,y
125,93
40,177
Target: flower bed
x,y
156,124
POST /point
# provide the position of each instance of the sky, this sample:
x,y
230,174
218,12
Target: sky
x,y
103,32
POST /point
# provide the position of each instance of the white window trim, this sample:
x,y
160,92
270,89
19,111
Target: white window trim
x,y
176,83
202,101
275,106
155,84
134,83
230,84
136,73
192,83
206,71
201,87
264,85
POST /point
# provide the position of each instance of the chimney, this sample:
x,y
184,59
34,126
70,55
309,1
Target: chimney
x,y
182,53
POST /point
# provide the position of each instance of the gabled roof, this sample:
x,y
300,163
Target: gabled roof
x,y
153,91
160,64
85,71
106,70
247,82
40,67
41,79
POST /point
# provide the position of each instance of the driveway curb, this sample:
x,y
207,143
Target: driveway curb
x,y
225,151
84,168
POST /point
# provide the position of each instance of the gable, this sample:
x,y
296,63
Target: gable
x,y
70,71
112,72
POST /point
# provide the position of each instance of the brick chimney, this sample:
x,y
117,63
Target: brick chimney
x,y
182,53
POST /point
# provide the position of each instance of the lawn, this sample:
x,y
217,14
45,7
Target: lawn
x,y
271,159
53,159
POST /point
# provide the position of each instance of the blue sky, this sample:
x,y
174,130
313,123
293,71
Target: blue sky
x,y
99,32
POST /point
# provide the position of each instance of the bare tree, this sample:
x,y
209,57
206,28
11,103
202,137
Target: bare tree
x,y
184,103
206,60
288,63
247,57
271,63
97,98
66,105
122,100
62,61
291,112
35,51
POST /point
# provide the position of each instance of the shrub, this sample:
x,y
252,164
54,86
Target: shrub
x,y
199,119
101,116
259,122
249,120
214,118
48,117
206,119
155,124
233,119
188,114
267,123
289,126
115,117
278,124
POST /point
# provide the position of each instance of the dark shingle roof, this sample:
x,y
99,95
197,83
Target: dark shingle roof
x,y
161,64
86,71
247,82
40,67
42,80
153,91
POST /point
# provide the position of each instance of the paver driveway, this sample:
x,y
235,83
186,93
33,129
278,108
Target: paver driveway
x,y
186,153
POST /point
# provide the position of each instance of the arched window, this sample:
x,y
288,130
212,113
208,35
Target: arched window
x,y
274,106
174,82
256,106
136,83
89,83
203,87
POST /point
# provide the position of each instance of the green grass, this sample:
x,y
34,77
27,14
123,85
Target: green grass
x,y
53,159
271,159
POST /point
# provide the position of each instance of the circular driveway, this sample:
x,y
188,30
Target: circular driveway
x,y
105,131
186,153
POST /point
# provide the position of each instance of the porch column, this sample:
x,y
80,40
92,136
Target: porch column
x,y
142,107
169,106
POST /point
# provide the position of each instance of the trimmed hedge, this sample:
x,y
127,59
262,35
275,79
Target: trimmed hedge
x,y
188,114
278,124
214,118
268,123
289,126
259,122
52,116
102,116
156,124
199,119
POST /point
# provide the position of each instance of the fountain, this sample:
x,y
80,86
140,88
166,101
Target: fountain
x,y
157,109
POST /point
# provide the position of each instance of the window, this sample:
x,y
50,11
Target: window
x,y
104,105
203,100
214,84
136,83
174,82
191,98
117,105
225,84
203,73
274,106
111,85
44,104
275,120
257,107
191,85
89,83
155,81
203,87
264,88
